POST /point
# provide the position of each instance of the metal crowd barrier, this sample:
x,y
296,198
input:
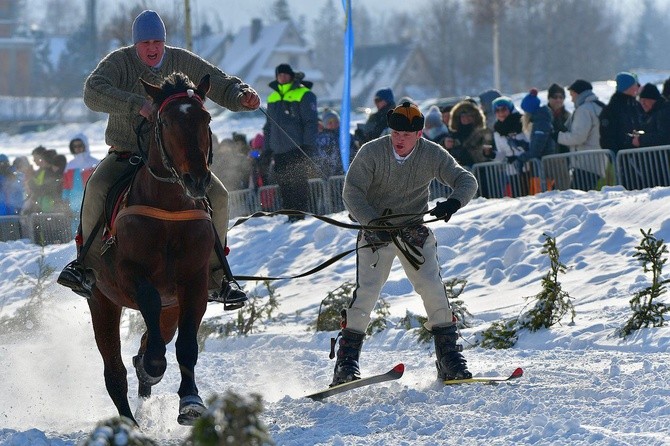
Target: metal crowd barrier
x,y
586,170
645,167
498,180
41,229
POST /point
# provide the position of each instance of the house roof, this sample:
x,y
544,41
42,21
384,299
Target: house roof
x,y
254,59
399,66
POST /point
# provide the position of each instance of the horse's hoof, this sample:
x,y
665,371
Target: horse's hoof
x,y
142,375
190,409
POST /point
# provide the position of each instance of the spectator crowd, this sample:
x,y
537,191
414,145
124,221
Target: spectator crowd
x,y
48,184
474,130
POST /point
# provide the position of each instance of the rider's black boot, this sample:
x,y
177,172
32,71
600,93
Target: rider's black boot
x,y
77,277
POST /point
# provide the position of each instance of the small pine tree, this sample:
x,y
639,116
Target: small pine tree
x,y
454,287
257,309
28,316
500,335
330,309
333,305
552,303
231,420
117,431
646,311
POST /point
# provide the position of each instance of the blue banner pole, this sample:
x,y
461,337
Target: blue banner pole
x,y
345,111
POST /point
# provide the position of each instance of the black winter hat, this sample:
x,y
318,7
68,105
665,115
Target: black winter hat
x,y
580,85
406,117
284,68
555,89
650,91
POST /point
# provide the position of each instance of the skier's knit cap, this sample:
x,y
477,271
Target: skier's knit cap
x,y
148,25
406,117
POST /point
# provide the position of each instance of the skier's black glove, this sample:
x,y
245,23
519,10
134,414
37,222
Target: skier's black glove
x,y
445,209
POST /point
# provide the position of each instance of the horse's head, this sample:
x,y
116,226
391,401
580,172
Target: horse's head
x,y
183,137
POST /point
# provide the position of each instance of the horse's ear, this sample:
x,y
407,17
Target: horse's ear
x,y
203,86
151,89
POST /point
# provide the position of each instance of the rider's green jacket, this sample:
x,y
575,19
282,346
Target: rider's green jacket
x,y
114,88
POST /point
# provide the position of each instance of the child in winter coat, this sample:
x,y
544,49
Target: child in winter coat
x,y
76,174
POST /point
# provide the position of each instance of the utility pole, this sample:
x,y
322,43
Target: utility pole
x,y
91,16
496,47
187,25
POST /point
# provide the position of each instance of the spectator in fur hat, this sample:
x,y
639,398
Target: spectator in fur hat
x,y
391,175
471,140
328,145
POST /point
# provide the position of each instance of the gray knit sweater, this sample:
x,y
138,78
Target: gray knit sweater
x,y
376,181
114,88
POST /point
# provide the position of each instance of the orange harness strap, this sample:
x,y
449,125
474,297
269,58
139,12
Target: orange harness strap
x,y
160,214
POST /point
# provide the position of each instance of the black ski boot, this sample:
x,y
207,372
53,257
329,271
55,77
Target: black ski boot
x,y
346,367
77,277
450,362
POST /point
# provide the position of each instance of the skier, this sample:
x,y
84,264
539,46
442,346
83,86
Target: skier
x,y
390,175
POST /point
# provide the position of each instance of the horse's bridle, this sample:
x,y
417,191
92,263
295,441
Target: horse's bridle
x,y
165,159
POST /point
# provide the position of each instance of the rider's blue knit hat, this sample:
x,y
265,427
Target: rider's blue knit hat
x,y
148,25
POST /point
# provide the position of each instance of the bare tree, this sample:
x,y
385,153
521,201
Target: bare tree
x,y
328,41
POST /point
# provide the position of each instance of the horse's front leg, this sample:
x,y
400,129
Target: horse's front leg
x,y
106,318
193,302
169,322
151,365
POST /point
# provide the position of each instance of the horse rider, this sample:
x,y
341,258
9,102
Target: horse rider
x,y
114,88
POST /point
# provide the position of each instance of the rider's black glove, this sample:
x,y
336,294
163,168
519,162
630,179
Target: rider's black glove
x,y
445,209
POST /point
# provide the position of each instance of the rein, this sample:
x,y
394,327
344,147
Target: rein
x,y
165,159
410,252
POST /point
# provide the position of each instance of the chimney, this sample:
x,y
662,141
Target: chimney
x,y
256,26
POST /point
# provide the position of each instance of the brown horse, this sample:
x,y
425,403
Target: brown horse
x,y
158,262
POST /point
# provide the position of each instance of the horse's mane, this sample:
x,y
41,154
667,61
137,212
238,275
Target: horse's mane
x,y
174,83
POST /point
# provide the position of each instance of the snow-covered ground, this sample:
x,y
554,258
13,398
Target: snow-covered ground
x,y
583,385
